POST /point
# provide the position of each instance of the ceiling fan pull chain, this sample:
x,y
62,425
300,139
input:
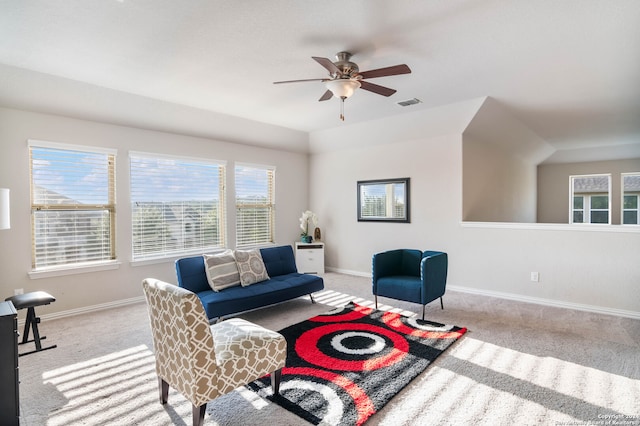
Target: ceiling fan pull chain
x,y
342,108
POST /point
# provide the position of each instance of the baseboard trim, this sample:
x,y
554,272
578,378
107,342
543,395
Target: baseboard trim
x,y
348,272
88,309
520,298
548,302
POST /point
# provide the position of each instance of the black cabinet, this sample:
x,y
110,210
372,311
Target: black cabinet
x,y
9,401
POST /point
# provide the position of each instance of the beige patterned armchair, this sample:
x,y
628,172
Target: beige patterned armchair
x,y
205,361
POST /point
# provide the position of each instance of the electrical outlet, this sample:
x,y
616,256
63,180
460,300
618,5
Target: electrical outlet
x,y
535,276
18,291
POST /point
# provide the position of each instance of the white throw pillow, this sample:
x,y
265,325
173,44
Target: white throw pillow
x,y
222,270
251,267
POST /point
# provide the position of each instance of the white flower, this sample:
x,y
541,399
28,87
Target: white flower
x,y
304,221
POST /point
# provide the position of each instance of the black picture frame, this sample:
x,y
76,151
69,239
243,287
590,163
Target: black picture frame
x,y
374,204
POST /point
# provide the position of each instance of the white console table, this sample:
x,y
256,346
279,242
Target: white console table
x,y
310,257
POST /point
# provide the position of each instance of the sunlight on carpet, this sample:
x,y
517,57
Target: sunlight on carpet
x,y
549,378
253,398
486,378
338,300
115,384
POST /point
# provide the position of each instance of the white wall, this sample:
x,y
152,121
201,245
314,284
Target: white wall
x,y
498,186
96,288
434,168
500,155
578,267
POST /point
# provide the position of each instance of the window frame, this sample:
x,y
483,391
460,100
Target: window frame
x,y
166,253
270,205
587,199
574,210
624,194
78,266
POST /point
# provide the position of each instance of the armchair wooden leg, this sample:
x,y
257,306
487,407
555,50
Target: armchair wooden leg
x,y
275,381
164,390
312,299
423,312
376,298
198,414
441,305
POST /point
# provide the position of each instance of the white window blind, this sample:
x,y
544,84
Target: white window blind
x,y
177,205
255,206
72,204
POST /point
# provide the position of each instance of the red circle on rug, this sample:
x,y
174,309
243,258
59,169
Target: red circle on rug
x,y
307,348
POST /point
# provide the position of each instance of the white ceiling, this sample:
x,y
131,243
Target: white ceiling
x,y
569,69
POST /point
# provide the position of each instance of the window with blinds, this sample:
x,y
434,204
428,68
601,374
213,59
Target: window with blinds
x,y
177,205
72,204
255,205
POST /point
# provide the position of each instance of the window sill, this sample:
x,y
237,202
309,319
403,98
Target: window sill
x,y
71,270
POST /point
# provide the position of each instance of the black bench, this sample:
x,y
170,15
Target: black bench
x,y
30,301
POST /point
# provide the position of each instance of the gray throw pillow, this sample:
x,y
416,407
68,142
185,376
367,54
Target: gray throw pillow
x,y
250,266
222,270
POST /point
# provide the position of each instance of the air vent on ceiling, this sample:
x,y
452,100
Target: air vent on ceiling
x,y
409,102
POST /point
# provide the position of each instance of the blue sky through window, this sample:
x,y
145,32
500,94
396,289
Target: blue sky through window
x,y
83,177
165,179
73,175
251,182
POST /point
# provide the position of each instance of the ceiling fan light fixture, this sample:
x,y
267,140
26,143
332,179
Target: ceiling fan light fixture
x,y
343,88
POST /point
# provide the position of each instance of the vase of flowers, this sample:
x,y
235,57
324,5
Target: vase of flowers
x,y
307,218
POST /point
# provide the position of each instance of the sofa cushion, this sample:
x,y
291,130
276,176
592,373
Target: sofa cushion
x,y
221,270
402,287
191,274
250,266
279,260
274,290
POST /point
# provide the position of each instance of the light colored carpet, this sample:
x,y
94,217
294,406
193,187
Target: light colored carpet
x,y
519,364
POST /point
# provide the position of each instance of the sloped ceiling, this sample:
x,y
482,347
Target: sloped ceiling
x,y
566,69
493,124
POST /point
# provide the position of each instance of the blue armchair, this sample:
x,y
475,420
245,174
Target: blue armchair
x,y
410,275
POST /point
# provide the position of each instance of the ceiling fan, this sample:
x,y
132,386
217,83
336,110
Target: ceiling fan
x,y
345,77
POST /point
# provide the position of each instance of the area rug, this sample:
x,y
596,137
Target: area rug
x,y
344,366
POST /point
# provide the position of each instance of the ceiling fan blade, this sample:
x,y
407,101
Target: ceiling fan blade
x,y
300,81
383,72
330,66
327,95
380,90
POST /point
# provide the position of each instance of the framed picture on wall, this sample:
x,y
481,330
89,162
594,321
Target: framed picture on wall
x,y
384,200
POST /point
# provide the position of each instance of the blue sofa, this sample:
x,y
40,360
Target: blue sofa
x,y
284,283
